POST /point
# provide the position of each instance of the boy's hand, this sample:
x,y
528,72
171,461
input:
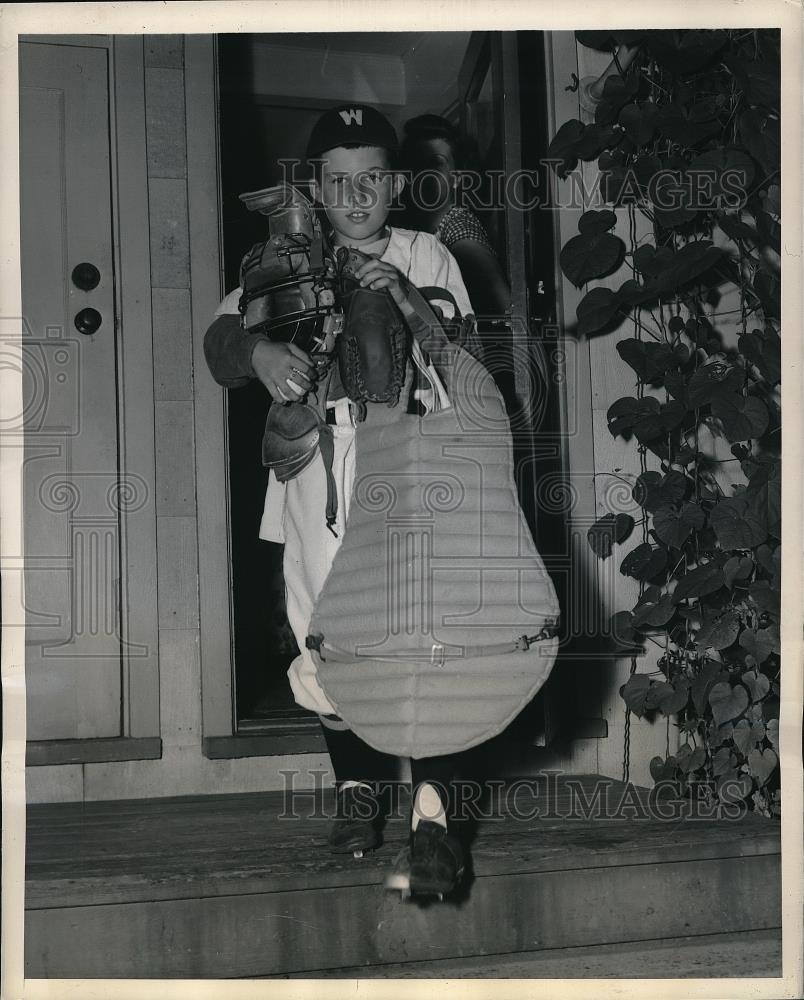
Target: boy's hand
x,y
376,274
284,369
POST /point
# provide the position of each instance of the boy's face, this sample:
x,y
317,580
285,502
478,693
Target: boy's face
x,y
357,189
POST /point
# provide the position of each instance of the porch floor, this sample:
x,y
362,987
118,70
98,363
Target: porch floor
x,y
236,886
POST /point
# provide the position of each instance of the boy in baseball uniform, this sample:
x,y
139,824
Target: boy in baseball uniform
x,y
353,149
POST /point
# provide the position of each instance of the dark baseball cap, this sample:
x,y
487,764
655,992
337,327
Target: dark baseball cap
x,y
351,123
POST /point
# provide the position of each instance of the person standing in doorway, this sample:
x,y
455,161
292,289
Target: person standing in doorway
x,y
435,153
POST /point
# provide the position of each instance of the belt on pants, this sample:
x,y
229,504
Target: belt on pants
x,y
342,412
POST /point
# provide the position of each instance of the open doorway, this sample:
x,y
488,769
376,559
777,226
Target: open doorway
x,y
272,89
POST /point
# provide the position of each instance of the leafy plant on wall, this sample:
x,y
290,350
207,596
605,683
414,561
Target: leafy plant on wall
x,y
689,136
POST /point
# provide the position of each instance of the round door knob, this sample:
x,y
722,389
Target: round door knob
x,y
86,276
88,321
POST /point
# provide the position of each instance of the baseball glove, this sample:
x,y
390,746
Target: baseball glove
x,y
374,344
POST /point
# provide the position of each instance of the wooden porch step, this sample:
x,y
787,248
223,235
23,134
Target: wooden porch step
x,y
237,886
757,954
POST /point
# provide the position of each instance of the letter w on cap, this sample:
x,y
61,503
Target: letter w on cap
x,y
352,115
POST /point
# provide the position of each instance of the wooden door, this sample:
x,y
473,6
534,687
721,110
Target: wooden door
x,y
72,495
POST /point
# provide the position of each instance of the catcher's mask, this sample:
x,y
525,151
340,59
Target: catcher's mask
x,y
287,280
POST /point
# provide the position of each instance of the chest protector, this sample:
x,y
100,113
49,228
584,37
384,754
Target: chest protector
x,y
437,622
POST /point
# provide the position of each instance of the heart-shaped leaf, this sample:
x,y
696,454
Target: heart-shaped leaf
x,y
712,380
656,424
673,413
657,691
644,562
650,261
634,692
738,522
595,139
758,685
693,761
704,579
722,762
607,530
702,684
591,255
669,193
719,633
622,633
601,41
760,643
662,769
631,293
742,736
743,417
597,308
615,181
653,610
772,732
765,597
737,568
688,263
561,152
684,50
625,412
652,490
758,78
675,700
673,527
727,702
597,222
725,174
648,359
617,90
639,121
762,764
755,712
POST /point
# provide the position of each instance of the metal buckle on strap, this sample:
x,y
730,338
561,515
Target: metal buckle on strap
x,y
548,631
437,655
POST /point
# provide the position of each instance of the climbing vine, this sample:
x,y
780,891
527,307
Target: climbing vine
x,y
689,136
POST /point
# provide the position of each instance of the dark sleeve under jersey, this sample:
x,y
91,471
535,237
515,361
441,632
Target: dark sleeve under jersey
x,y
228,349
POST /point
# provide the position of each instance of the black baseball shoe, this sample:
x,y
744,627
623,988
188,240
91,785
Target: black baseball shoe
x,y
355,828
436,860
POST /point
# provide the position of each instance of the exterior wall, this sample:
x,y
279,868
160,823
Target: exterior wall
x,y
183,769
596,377
603,467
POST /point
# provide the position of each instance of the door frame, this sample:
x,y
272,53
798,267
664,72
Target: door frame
x,y
211,452
218,712
139,720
